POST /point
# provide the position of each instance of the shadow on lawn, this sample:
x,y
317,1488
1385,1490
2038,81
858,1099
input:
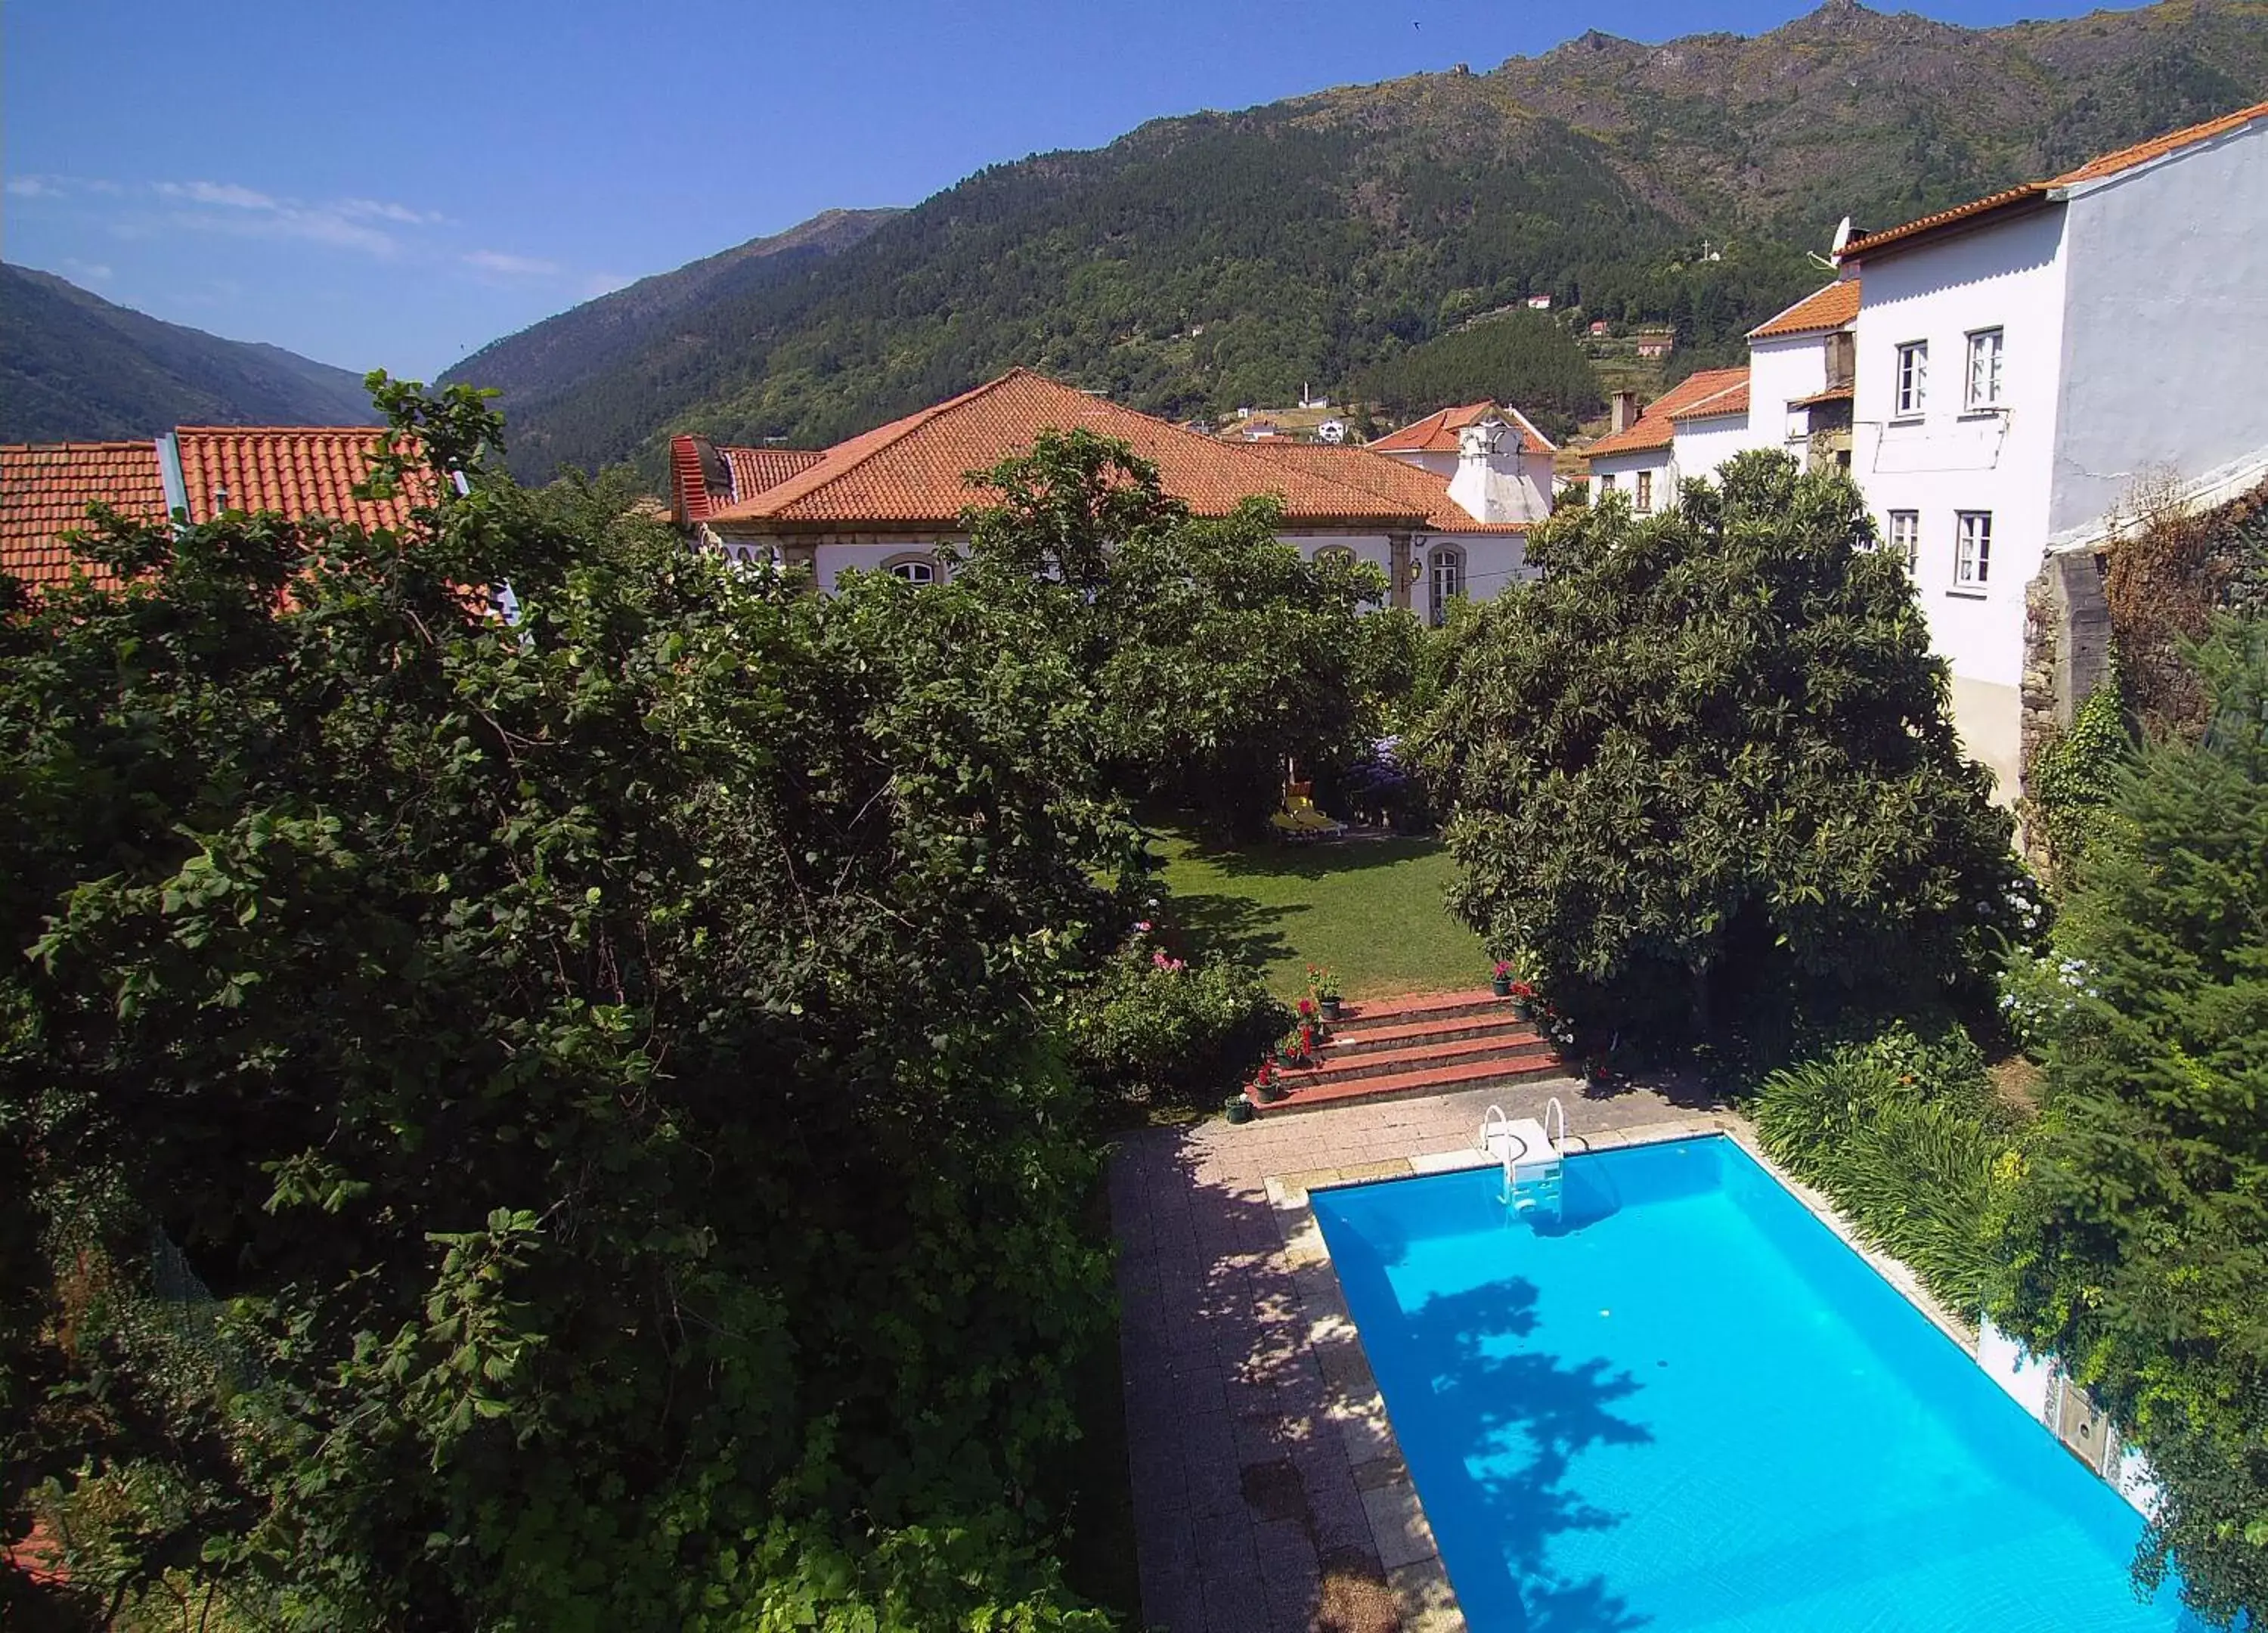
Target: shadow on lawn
x,y
1322,859
1237,927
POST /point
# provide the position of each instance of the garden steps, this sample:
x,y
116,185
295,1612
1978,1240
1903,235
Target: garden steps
x,y
1433,1043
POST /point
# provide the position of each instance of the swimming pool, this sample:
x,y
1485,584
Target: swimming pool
x,y
1687,1406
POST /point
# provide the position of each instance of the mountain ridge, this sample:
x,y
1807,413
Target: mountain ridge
x,y
76,367
1206,260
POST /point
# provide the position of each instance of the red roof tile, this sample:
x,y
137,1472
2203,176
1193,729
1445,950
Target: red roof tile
x,y
912,472
759,470
1833,394
1692,395
1396,481
1829,308
2032,191
44,493
295,471
1437,432
1731,400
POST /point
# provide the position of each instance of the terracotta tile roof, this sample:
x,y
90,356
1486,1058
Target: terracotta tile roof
x,y
1731,400
45,490
1829,308
1833,394
2032,192
1437,432
912,472
1394,480
756,470
1653,429
295,471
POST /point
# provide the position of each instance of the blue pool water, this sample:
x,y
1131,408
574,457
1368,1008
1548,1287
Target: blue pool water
x,y
1689,1406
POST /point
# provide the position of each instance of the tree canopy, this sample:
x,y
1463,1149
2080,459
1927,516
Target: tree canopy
x,y
541,1124
2137,1238
1714,741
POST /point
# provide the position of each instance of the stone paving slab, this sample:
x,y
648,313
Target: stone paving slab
x,y
1260,1446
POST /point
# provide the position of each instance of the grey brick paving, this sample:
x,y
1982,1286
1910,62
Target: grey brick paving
x,y
1256,1446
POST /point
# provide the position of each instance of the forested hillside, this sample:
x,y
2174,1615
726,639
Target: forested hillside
x,y
1219,259
73,365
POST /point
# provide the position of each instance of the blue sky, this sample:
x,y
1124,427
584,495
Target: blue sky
x,y
397,186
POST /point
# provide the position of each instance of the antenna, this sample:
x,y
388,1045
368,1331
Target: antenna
x,y
1842,236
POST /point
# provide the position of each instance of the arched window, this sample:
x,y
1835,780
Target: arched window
x,y
1447,563
915,566
1337,553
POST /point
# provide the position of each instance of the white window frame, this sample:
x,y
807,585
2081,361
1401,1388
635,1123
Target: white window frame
x,y
1909,380
1444,560
1977,401
1903,536
1972,549
917,567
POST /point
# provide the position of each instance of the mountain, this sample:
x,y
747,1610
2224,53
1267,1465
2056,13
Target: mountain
x,y
1215,259
74,366
652,320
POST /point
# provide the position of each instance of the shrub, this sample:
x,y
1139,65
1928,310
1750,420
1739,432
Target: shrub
x,y
1905,1135
1153,1030
2068,791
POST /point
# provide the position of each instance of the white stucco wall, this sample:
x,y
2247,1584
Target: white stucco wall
x,y
2166,325
1624,468
1779,372
1703,444
1441,465
1947,459
1506,487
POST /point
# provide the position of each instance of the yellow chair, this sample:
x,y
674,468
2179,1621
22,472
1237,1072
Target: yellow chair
x,y
1299,818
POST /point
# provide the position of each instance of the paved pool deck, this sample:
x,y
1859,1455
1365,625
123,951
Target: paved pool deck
x,y
1269,1496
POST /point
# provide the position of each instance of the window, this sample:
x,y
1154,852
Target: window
x,y
1448,582
1645,490
1340,553
1983,370
1972,562
1905,541
1606,483
1913,376
915,568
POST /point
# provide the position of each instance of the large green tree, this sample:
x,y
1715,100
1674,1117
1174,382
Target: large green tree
x,y
2137,1239
1215,652
1713,741
538,1125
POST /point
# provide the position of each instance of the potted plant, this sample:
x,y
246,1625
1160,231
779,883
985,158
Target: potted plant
x,y
1501,981
1268,1085
1237,1108
1523,999
1325,986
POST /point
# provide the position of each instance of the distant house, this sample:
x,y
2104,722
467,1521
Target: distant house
x,y
1256,429
197,472
891,500
1638,456
1539,303
1656,345
1332,431
1598,326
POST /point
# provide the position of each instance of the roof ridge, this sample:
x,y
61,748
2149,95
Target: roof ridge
x,y
824,471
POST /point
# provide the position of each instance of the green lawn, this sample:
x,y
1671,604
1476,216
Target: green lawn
x,y
1371,910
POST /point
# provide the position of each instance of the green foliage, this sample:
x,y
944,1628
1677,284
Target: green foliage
x,y
1526,359
2136,1243
1908,1139
1215,652
599,1064
2069,784
1713,743
1154,1030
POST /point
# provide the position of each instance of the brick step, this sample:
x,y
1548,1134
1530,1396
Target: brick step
x,y
1481,1074
1423,1006
1343,1041
1335,1067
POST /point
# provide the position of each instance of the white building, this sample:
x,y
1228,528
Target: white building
x,y
892,499
1686,431
2023,360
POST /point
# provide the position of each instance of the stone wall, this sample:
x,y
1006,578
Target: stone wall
x,y
2066,646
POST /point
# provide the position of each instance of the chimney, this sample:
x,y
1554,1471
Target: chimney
x,y
1625,414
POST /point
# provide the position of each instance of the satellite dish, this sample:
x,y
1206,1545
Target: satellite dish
x,y
1842,236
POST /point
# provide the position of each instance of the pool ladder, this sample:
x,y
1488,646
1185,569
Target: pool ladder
x,y
1534,1160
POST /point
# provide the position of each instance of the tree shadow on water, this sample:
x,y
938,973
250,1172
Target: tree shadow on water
x,y
1491,1429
